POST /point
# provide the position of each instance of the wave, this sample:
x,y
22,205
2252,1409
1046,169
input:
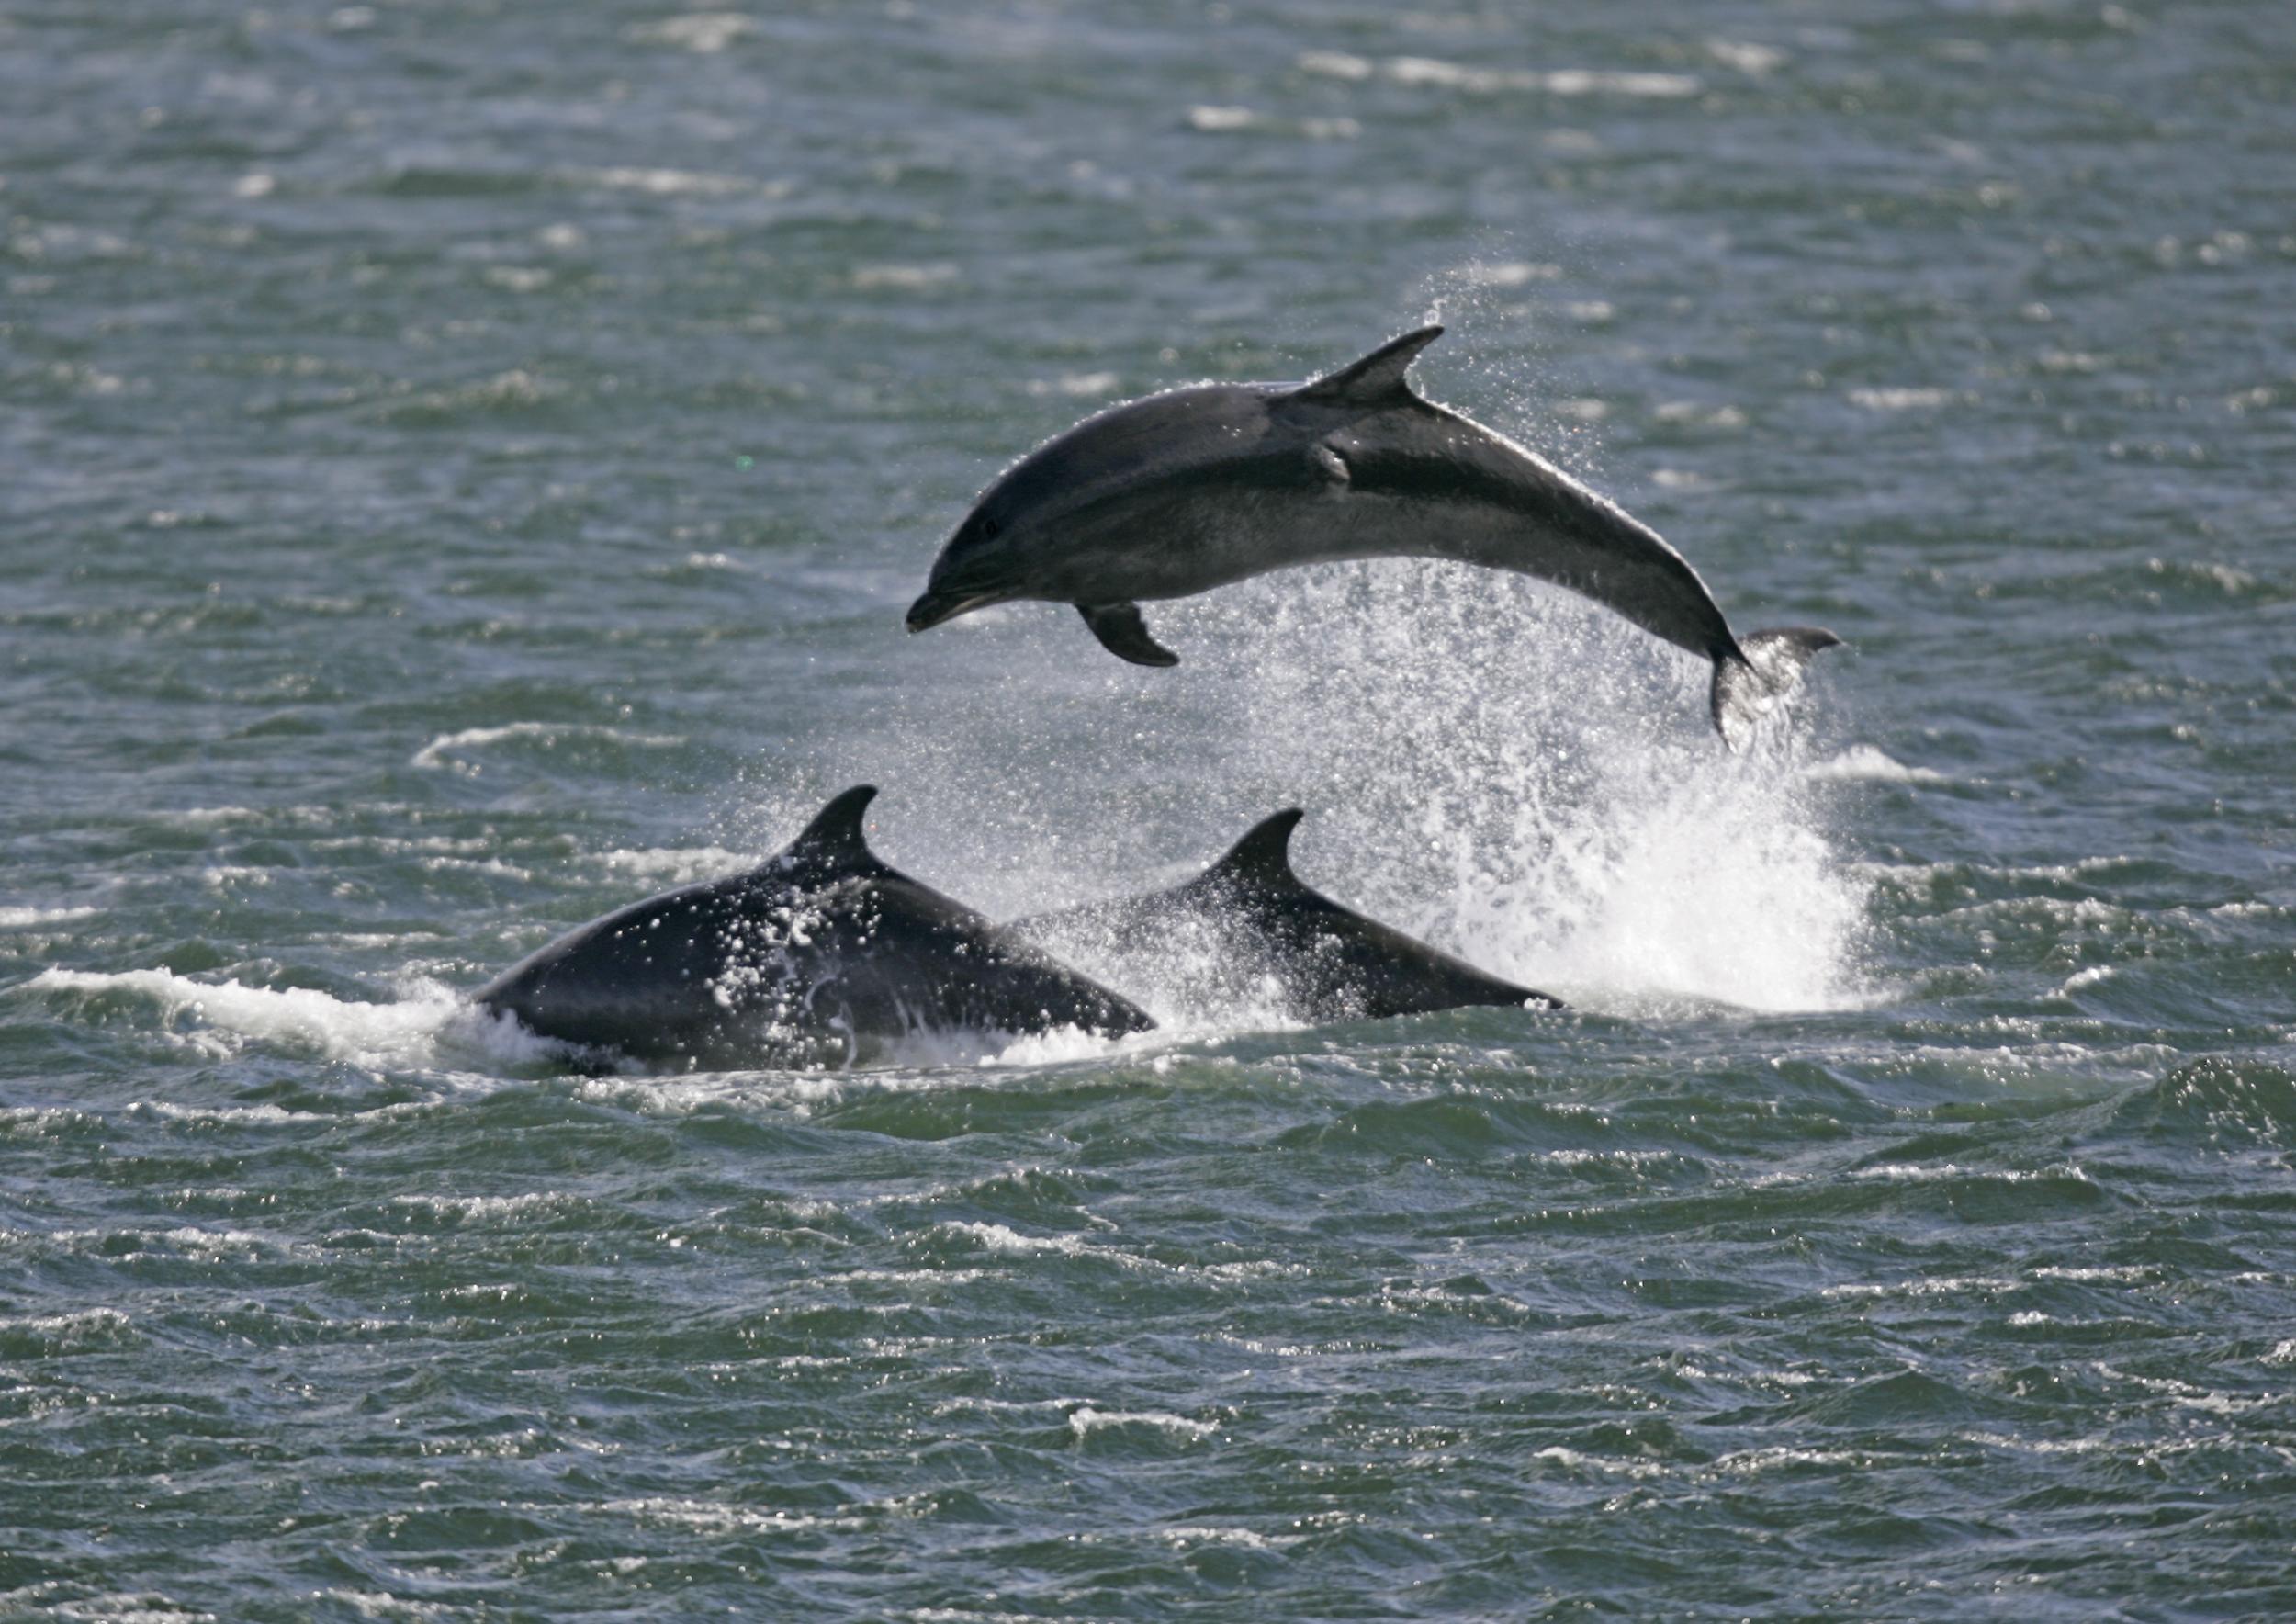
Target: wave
x,y
442,751
1865,763
18,919
433,1023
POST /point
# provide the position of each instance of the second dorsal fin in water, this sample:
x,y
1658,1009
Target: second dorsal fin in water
x,y
1262,857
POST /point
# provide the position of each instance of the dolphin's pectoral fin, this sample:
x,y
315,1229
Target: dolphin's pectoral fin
x,y
1123,634
1747,689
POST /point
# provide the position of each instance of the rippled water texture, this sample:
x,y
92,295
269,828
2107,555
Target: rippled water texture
x,y
464,468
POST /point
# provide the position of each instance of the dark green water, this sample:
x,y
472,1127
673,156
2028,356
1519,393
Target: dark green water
x,y
464,466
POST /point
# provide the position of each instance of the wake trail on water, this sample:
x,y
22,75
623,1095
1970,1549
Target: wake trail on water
x,y
432,1027
429,1025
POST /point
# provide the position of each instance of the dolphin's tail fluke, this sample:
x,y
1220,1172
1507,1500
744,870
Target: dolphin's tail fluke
x,y
1749,685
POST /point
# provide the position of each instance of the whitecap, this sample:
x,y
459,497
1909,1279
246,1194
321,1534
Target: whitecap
x,y
1863,762
1085,1420
906,278
1216,120
1079,384
17,918
703,32
435,754
226,1015
1900,399
671,183
677,866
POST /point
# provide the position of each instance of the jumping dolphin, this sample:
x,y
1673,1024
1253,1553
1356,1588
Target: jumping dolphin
x,y
1194,488
818,955
1247,927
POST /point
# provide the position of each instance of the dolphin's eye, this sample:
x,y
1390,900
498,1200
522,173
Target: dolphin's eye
x,y
987,531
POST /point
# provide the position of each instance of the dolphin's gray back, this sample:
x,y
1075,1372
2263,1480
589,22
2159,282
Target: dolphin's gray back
x,y
1248,925
793,965
1425,481
1202,487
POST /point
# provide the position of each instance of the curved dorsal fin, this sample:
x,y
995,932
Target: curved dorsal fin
x,y
835,832
1376,380
1262,857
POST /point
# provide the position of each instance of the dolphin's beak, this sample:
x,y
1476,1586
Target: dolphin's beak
x,y
933,608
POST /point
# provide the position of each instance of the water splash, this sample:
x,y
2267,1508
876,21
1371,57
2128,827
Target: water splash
x,y
1493,764
1489,764
1533,785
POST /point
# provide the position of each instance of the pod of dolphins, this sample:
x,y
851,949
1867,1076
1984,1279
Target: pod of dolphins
x,y
824,953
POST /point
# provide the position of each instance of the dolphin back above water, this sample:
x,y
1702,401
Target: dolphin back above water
x,y
820,955
1195,487
1247,931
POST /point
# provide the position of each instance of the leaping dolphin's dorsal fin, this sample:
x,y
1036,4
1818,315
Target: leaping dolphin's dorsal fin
x,y
1376,380
834,834
1262,857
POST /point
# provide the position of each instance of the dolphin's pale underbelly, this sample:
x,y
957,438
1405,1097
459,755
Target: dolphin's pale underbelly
x,y
1604,557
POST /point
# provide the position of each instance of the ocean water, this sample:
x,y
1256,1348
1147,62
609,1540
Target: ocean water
x,y
465,464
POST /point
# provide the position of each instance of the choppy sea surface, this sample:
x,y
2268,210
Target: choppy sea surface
x,y
462,467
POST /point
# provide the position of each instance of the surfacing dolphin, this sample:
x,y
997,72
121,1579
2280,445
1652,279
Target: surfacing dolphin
x,y
1194,488
1247,931
819,955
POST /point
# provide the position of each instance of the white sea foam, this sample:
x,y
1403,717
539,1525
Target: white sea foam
x,y
489,1208
1770,1459
1900,399
1577,1461
1215,119
1207,1534
17,918
376,1604
716,1517
677,866
1084,1421
442,751
133,1607
1955,1286
1083,385
671,183
1754,60
220,1018
1480,81
1001,1237
906,278
1863,761
79,1325
703,32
